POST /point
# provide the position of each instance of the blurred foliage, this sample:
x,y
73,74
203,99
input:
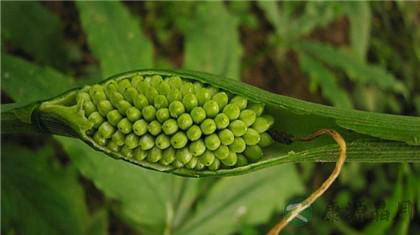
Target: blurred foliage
x,y
59,186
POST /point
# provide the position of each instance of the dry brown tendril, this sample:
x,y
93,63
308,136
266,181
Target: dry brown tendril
x,y
325,185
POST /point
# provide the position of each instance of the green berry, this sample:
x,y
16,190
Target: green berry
x,y
136,80
175,82
238,128
106,130
208,126
99,139
212,142
160,101
127,152
221,98
146,142
207,158
114,117
168,156
262,123
123,105
131,141
140,127
253,153
123,85
192,163
82,97
231,160
140,101
179,140
176,108
232,111
184,121
213,91
248,117
211,107
215,165
199,165
113,147
156,80
222,152
226,136
222,121
104,106
174,95
240,101
115,97
187,88
178,164
133,114
130,94
118,138
266,140
183,155
194,133
198,114
190,101
96,119
162,115
197,148
154,155
140,154
169,127
252,137
124,126
89,107
203,95
242,161
149,113
162,141
154,128
197,86
238,145
151,93
164,88
97,94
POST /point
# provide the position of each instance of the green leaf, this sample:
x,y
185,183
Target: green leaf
x,y
381,226
98,223
360,23
115,38
38,197
147,198
26,82
326,79
237,201
33,28
357,70
210,47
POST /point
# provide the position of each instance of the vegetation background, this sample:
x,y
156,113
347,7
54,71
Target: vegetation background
x,y
363,55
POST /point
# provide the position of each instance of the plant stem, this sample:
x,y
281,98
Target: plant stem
x,y
28,119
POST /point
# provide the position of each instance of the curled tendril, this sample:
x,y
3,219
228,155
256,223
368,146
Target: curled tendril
x,y
325,185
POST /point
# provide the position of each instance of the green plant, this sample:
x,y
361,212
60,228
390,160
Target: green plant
x,y
49,182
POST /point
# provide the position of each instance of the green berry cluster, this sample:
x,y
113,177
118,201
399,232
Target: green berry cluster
x,y
172,121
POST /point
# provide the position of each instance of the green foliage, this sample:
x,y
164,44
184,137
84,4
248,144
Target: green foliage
x,y
38,195
34,86
375,68
114,37
28,25
222,56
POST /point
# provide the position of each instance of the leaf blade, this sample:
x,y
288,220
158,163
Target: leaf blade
x,y
114,37
223,56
